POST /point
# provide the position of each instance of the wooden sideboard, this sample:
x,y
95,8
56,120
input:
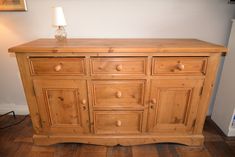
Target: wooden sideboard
x,y
118,91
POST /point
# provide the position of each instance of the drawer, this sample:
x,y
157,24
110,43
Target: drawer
x,y
121,65
179,65
118,93
57,66
117,122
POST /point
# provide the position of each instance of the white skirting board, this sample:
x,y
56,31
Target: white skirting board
x,y
231,132
18,109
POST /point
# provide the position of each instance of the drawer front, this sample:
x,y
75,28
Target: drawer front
x,y
117,122
125,65
118,93
179,65
57,66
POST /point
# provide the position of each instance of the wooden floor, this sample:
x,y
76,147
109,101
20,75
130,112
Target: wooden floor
x,y
16,142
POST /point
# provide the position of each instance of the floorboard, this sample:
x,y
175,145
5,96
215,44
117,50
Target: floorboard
x,y
16,141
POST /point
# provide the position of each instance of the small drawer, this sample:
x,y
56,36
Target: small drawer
x,y
118,65
118,94
118,122
57,66
179,65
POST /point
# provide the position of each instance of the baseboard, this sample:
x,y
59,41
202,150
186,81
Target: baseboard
x,y
225,137
18,109
231,132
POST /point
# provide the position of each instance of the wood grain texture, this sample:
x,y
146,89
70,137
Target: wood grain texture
x,y
17,142
29,91
63,105
118,66
179,65
57,66
213,64
118,122
174,105
119,45
118,91
110,94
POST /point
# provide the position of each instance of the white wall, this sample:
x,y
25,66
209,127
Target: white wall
x,y
203,19
225,101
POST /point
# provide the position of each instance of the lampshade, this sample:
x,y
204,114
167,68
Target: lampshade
x,y
58,17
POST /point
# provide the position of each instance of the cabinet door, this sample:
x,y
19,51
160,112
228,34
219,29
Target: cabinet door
x,y
63,105
173,105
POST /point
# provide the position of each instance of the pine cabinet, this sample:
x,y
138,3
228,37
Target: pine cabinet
x,y
174,105
118,91
63,105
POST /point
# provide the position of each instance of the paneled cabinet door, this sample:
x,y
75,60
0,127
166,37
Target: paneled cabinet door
x,y
63,105
173,105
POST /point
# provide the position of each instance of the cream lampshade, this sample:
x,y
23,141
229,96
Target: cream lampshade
x,y
59,22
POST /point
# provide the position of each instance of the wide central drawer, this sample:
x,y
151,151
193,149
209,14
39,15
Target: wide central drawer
x,y
118,93
117,122
57,66
118,65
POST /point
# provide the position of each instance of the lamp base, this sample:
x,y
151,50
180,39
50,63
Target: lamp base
x,y
60,34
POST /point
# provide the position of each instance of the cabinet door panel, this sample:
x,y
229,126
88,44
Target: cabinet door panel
x,y
174,105
63,105
176,102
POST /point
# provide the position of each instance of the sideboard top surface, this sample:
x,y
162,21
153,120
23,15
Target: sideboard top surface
x,y
119,46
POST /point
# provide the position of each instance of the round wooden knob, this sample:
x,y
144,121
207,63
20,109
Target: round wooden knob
x,y
153,101
84,101
119,67
180,66
119,94
58,67
119,123
84,106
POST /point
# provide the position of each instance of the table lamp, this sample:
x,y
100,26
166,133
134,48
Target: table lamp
x,y
59,22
